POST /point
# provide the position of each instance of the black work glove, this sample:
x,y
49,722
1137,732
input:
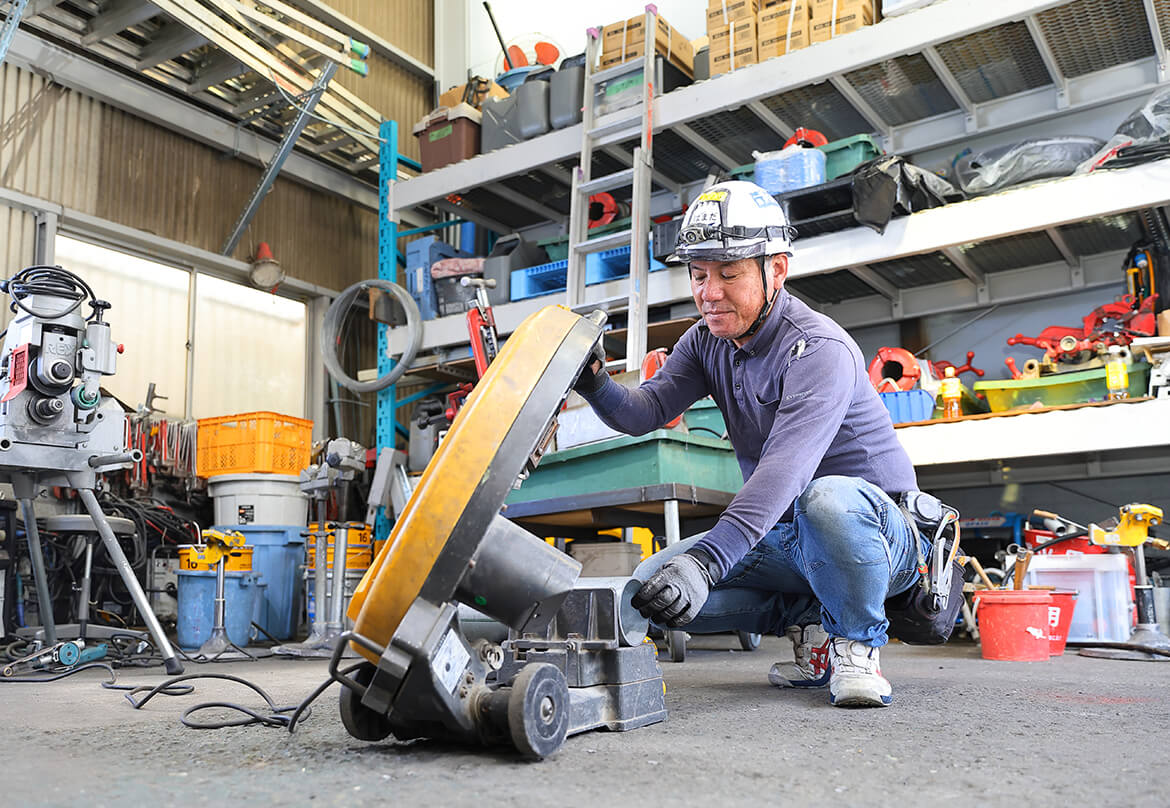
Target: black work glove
x,y
593,376
674,595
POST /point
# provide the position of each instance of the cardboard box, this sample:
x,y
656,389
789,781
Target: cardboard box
x,y
725,12
773,20
778,43
824,8
853,19
624,41
481,89
676,52
733,46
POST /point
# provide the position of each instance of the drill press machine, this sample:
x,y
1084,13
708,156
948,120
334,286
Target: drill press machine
x,y
56,427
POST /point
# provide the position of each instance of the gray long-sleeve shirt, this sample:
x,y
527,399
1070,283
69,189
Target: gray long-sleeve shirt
x,y
798,405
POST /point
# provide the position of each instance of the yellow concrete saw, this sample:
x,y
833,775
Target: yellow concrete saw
x,y
575,657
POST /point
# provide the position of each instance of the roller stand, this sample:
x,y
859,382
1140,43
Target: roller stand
x,y
219,647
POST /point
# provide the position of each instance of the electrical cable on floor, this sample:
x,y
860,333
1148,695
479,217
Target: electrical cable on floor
x,y
274,718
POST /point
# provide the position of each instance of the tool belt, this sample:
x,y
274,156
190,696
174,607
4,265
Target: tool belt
x,y
925,614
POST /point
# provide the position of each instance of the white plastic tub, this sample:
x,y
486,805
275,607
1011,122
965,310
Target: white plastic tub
x,y
258,499
1103,594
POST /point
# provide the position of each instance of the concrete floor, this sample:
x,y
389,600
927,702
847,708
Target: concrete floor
x,y
962,731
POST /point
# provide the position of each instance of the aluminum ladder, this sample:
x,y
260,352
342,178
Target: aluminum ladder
x,y
598,132
8,25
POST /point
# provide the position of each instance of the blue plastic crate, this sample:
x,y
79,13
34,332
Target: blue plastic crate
x,y
599,267
908,405
420,254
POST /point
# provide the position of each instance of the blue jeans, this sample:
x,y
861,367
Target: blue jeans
x,y
848,548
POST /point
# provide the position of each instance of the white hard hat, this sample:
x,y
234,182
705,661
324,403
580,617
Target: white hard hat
x,y
731,221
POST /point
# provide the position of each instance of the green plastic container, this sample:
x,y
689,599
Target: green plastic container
x,y
704,415
557,248
1059,389
846,154
658,457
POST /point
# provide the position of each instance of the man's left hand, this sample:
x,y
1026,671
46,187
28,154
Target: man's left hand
x,y
674,595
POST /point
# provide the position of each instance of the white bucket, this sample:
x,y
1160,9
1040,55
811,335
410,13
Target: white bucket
x,y
258,499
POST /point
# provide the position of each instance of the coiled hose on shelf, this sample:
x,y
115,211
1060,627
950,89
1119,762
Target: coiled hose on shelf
x,y
331,330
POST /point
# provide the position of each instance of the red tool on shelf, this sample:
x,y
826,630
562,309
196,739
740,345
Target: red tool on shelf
x,y
1115,323
895,369
651,364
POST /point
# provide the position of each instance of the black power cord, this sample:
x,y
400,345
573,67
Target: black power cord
x,y
47,281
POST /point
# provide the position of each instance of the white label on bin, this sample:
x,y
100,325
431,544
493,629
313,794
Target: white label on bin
x,y
1053,616
246,514
450,661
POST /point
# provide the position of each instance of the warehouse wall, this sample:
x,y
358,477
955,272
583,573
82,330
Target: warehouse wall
x,y
59,145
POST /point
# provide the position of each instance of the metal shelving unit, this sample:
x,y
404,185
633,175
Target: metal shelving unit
x,y
937,76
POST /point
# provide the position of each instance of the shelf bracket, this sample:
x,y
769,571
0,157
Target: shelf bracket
x,y
939,66
705,146
1059,242
522,201
1156,36
1049,59
625,158
882,287
970,271
863,108
771,119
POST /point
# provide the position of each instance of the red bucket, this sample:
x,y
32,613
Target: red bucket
x,y
1060,615
1013,624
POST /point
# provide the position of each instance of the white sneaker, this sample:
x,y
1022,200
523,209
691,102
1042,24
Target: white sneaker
x,y
810,647
856,678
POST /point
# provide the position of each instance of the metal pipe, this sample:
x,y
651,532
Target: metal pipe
x,y
44,603
340,550
320,575
83,607
114,550
496,28
219,619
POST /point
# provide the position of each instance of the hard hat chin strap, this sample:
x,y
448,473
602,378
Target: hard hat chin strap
x,y
768,301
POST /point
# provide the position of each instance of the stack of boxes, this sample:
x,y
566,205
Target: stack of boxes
x,y
731,29
832,18
626,40
783,26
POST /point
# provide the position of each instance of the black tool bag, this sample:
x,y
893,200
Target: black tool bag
x,y
913,618
913,615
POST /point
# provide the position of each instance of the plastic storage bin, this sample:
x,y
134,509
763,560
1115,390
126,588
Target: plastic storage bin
x,y
1101,582
906,406
196,610
532,104
566,93
266,499
1059,389
501,125
277,555
789,169
448,135
842,156
552,277
253,442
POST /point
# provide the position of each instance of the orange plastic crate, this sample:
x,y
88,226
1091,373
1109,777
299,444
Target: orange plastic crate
x,y
253,443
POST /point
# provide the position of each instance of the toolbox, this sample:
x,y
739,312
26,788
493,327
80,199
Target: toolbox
x,y
448,135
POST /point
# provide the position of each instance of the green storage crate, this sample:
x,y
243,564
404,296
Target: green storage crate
x,y
842,156
1059,388
704,414
557,247
659,457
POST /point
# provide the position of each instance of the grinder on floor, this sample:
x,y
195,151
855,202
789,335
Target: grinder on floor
x,y
576,657
820,536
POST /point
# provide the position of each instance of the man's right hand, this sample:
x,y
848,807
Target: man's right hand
x,y
593,376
